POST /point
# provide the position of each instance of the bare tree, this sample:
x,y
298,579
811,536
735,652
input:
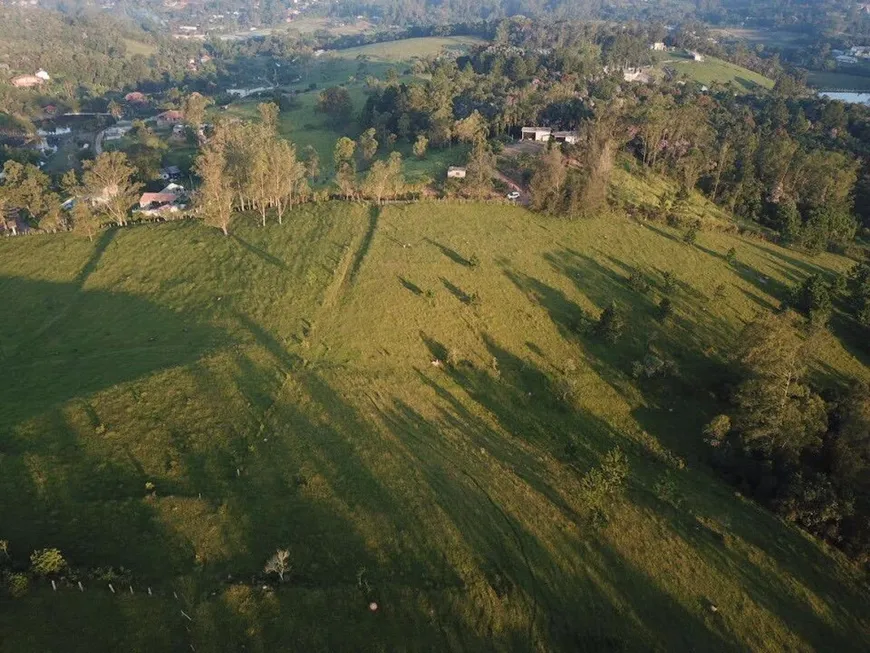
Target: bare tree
x,y
215,197
279,564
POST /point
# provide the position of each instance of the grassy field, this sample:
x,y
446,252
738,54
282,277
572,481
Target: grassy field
x,y
407,49
277,389
138,47
713,71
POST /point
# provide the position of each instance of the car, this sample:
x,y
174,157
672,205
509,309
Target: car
x,y
514,195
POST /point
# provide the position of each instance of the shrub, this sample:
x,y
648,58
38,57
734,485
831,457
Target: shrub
x,y
46,561
691,235
653,366
813,299
666,308
638,282
669,281
731,256
717,430
606,480
610,325
666,490
17,585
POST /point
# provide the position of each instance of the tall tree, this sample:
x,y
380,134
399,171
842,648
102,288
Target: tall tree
x,y
479,170
345,166
215,196
269,113
548,181
367,145
336,103
109,186
194,108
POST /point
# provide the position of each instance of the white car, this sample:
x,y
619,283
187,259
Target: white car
x,y
514,195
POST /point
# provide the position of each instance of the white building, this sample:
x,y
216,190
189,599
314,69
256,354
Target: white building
x,y
44,76
456,172
658,46
540,134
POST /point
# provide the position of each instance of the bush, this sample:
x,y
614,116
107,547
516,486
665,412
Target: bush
x,y
669,281
47,561
691,235
666,308
813,299
606,480
717,430
653,366
610,325
638,282
17,585
731,256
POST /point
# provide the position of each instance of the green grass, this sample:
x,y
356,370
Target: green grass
x,y
406,49
716,71
277,388
138,47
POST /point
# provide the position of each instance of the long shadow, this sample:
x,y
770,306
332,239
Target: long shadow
x,y
410,285
103,240
366,244
452,254
261,253
457,292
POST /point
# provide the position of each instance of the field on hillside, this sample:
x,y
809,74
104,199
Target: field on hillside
x,y
406,399
407,49
138,47
715,71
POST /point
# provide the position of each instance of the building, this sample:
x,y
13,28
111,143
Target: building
x,y
27,81
658,46
44,76
117,132
154,200
572,138
135,98
846,59
540,134
456,172
168,118
697,56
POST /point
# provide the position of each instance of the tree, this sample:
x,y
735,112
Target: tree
x,y
385,178
286,183
27,188
84,219
471,129
367,146
279,564
548,181
777,413
194,109
215,196
691,235
479,170
108,184
115,110
610,324
269,113
345,166
859,292
46,562
421,145
813,299
336,103
312,162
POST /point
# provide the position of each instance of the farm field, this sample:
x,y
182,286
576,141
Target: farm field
x,y
185,404
716,71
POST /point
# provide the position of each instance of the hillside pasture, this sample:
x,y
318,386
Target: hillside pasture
x,y
406,398
715,71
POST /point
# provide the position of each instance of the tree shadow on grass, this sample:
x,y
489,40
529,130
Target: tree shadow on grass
x,y
452,254
261,253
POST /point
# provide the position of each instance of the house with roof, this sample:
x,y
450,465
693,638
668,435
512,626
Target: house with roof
x,y
456,172
135,97
544,134
540,134
27,81
658,46
170,172
169,118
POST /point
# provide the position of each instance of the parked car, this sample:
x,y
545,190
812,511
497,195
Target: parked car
x,y
514,195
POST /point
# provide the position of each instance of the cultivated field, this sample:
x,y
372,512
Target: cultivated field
x,y
406,399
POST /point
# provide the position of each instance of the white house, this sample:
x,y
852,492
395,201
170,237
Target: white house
x,y
658,46
456,172
44,76
697,56
540,134
572,138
